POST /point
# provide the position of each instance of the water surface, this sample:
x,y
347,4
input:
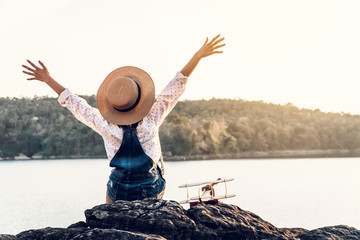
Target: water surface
x,y
308,193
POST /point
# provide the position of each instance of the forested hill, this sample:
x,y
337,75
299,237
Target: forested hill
x,y
205,127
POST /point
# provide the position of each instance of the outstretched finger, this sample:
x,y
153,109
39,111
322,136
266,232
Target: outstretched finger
x,y
30,69
34,78
219,46
218,52
218,41
214,39
207,39
32,64
215,52
42,65
29,73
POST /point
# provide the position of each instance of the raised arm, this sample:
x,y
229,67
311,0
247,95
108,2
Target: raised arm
x,y
43,75
169,96
209,48
85,113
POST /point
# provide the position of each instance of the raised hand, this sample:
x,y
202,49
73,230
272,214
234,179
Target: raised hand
x,y
37,73
210,48
43,75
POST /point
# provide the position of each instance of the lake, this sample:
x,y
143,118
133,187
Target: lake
x,y
307,193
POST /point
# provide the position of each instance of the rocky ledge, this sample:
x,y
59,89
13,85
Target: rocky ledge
x,y
162,219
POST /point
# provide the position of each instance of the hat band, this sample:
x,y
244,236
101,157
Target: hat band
x,y
134,105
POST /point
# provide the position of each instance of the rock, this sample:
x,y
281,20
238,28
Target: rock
x,y
150,216
228,222
340,232
161,219
170,220
222,221
55,233
51,233
289,233
111,234
80,224
8,237
81,234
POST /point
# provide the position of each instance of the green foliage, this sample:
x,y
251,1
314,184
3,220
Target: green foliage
x,y
42,126
217,126
224,126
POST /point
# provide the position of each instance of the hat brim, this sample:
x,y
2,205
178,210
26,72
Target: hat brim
x,y
144,105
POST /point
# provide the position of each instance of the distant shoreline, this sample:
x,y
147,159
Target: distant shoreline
x,y
329,153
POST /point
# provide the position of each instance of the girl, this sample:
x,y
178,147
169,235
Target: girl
x,y
128,121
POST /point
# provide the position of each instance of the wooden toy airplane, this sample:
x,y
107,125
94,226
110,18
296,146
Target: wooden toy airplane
x,y
206,192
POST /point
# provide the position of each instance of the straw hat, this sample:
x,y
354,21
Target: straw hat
x,y
126,95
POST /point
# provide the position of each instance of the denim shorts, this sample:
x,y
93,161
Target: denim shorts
x,y
119,189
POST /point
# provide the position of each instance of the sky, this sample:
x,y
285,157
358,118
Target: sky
x,y
279,51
